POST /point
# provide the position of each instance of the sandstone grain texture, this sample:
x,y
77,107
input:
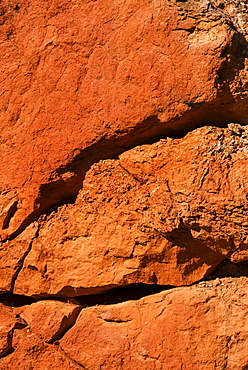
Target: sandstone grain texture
x,y
8,323
237,11
166,213
83,80
200,327
12,255
50,319
29,353
100,187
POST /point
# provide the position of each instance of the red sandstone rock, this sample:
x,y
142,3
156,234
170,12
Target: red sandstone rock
x,y
32,353
81,81
238,12
7,325
85,81
12,254
165,213
200,327
50,319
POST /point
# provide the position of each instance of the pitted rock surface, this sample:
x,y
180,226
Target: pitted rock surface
x,y
166,213
84,81
100,187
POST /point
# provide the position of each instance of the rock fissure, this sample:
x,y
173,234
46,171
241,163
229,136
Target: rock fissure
x,y
66,324
123,213
65,182
112,296
21,261
78,365
116,295
65,189
173,208
8,349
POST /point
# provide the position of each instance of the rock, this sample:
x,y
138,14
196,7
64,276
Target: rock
x,y
83,81
12,255
31,353
8,323
49,320
176,328
191,327
237,11
166,213
96,194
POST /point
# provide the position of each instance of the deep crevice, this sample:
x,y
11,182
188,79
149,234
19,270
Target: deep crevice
x,y
12,210
66,324
9,348
21,261
62,192
122,294
219,112
125,293
229,269
112,296
224,109
16,300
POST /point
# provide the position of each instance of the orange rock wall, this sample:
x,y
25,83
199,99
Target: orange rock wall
x,y
123,182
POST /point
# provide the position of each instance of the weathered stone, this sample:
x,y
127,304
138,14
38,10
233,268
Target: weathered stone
x,y
12,254
82,81
50,319
199,327
8,323
165,213
31,353
238,12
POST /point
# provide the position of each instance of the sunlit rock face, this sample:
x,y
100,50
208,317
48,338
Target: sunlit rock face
x,y
84,81
166,213
123,183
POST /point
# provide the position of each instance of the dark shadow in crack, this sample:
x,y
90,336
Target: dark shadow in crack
x,y
9,215
111,296
224,109
16,300
190,246
229,269
8,349
121,294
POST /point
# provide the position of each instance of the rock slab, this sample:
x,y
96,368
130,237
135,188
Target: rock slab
x,y
82,81
166,213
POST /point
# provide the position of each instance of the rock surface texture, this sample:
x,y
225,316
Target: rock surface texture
x,y
83,81
204,326
123,174
165,213
197,327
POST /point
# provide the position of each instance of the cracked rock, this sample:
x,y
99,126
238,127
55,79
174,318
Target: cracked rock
x,y
50,319
191,327
166,213
82,81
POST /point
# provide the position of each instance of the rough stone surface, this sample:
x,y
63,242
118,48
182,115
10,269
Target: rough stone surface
x,y
95,193
12,255
237,11
7,325
203,326
49,320
200,327
81,81
164,213
32,353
